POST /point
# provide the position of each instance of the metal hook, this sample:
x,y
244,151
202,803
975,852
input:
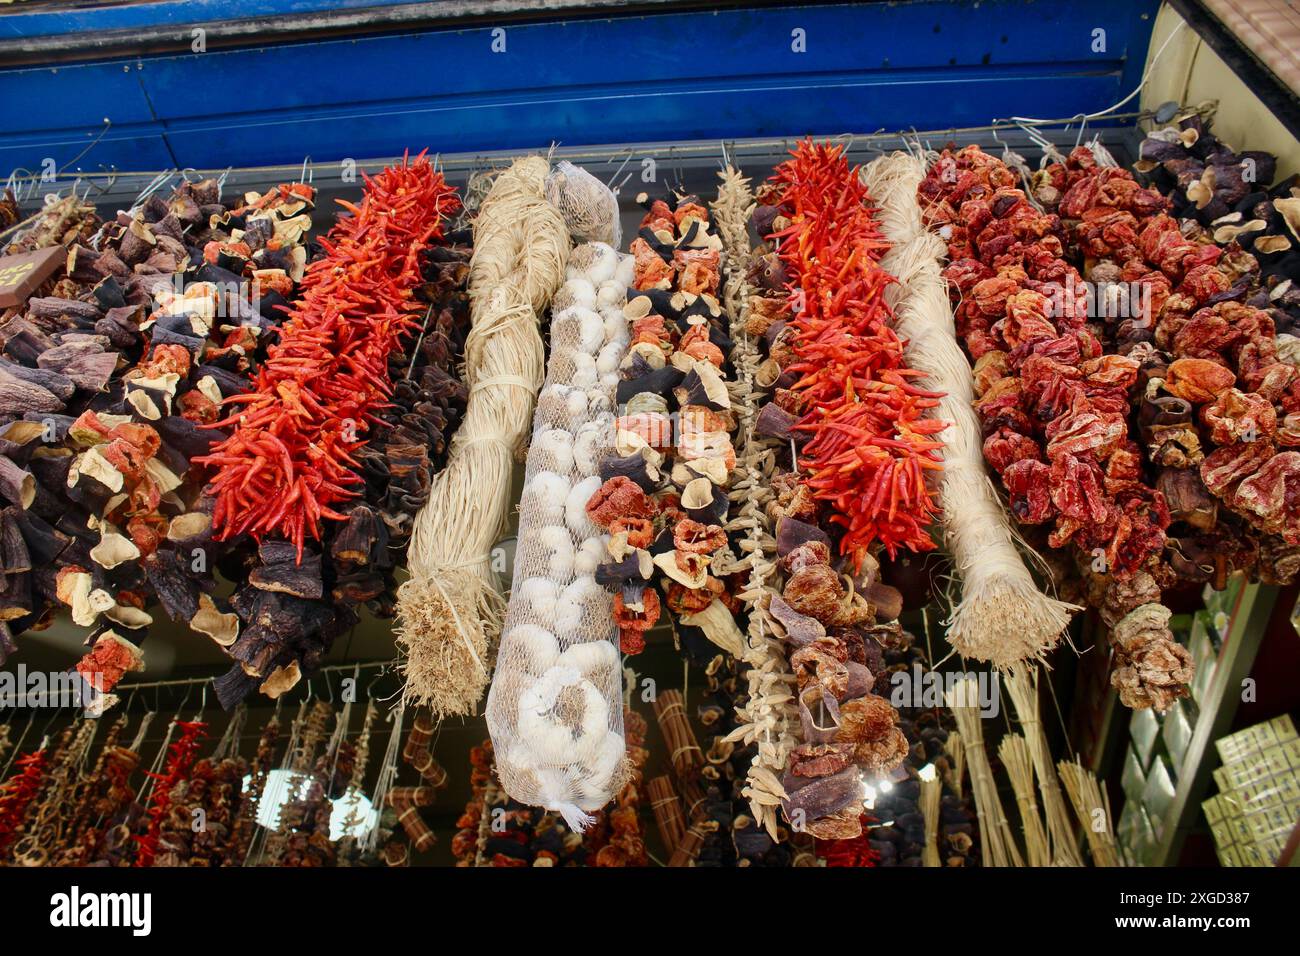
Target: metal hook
x,y
329,688
112,180
18,745
610,182
45,731
15,182
189,689
203,701
1082,127
308,173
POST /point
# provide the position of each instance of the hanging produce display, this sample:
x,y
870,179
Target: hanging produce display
x,y
683,524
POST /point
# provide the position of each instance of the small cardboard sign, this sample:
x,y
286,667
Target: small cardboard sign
x,y
21,275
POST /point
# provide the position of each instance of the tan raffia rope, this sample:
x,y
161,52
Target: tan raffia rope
x,y
450,611
1002,616
1092,807
1022,686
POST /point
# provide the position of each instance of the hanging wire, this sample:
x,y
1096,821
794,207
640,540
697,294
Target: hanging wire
x,y
1146,75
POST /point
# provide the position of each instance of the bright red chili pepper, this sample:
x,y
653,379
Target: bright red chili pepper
x,y
870,442
291,455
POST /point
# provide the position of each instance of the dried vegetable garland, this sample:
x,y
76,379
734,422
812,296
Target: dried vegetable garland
x,y
823,616
767,717
289,611
291,457
145,329
180,759
1219,404
871,429
663,498
1054,406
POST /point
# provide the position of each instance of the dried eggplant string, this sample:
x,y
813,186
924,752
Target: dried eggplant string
x,y
768,716
450,611
1002,616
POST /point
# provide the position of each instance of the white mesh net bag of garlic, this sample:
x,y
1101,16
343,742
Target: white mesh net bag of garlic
x,y
589,207
555,710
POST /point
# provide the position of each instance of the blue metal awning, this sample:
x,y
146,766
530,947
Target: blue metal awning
x,y
366,86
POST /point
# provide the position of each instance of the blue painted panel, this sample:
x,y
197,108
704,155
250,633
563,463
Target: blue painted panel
x,y
19,22
625,79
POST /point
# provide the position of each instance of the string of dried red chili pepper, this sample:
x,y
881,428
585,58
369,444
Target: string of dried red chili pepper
x,y
871,443
181,756
291,455
17,794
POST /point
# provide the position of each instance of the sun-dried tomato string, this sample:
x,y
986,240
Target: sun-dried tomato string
x,y
871,443
290,457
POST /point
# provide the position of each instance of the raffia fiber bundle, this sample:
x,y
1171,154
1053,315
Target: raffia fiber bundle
x,y
1002,616
931,793
450,611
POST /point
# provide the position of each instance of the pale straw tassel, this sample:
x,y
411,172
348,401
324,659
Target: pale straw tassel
x,y
1092,806
997,845
1020,770
931,791
957,754
449,613
1002,616
1022,686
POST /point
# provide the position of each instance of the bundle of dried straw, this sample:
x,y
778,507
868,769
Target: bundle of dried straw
x,y
1002,616
1092,806
1022,685
997,844
450,611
